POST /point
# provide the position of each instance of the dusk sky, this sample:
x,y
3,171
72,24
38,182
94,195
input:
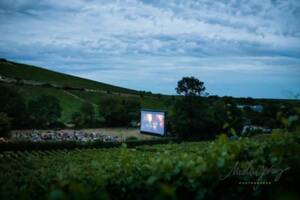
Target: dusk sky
x,y
238,48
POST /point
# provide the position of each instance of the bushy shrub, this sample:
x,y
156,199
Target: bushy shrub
x,y
190,118
132,138
119,111
5,125
77,120
14,106
88,113
190,115
46,85
196,170
44,111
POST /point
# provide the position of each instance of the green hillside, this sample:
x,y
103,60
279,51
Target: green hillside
x,y
70,99
29,72
68,103
31,82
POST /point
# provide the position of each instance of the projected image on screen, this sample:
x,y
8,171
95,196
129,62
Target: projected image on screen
x,y
153,122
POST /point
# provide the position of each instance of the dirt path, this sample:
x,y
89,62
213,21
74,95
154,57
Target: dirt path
x,y
79,98
41,84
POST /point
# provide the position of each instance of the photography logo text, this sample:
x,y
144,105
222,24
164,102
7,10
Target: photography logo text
x,y
255,175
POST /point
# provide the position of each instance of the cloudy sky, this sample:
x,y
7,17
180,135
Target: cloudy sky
x,y
237,47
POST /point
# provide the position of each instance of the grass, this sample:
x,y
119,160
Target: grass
x,y
29,72
152,102
70,100
67,102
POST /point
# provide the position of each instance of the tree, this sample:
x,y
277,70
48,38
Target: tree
x,y
119,112
190,86
44,110
132,106
86,117
113,112
228,118
14,106
5,124
77,120
190,116
88,114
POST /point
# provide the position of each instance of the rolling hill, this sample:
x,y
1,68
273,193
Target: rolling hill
x,y
31,81
29,72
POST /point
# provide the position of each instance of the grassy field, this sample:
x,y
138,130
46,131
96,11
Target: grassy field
x,y
28,72
70,100
190,170
150,101
67,102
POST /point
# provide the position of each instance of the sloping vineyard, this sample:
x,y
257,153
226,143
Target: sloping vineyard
x,y
266,167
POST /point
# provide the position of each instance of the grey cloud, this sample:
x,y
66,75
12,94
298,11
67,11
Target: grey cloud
x,y
151,38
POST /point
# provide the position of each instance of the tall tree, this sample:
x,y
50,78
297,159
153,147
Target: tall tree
x,y
5,125
119,111
88,113
44,110
13,105
190,116
190,86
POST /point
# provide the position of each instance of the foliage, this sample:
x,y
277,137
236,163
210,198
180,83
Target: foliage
x,y
86,117
219,112
77,120
13,105
72,145
5,124
194,116
52,83
131,138
44,110
190,170
191,119
190,86
71,104
275,115
189,116
228,118
89,114
119,112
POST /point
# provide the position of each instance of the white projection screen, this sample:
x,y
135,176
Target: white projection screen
x,y
153,122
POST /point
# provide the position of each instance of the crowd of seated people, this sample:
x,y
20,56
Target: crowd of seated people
x,y
61,135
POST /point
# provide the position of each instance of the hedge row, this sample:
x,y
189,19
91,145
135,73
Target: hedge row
x,y
31,146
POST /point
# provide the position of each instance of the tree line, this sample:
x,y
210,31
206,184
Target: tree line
x,y
45,111
191,114
196,115
110,112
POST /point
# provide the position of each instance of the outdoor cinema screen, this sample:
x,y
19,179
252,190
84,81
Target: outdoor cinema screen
x,y
153,122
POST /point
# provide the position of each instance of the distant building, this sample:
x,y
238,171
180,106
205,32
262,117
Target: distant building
x,y
248,129
256,108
